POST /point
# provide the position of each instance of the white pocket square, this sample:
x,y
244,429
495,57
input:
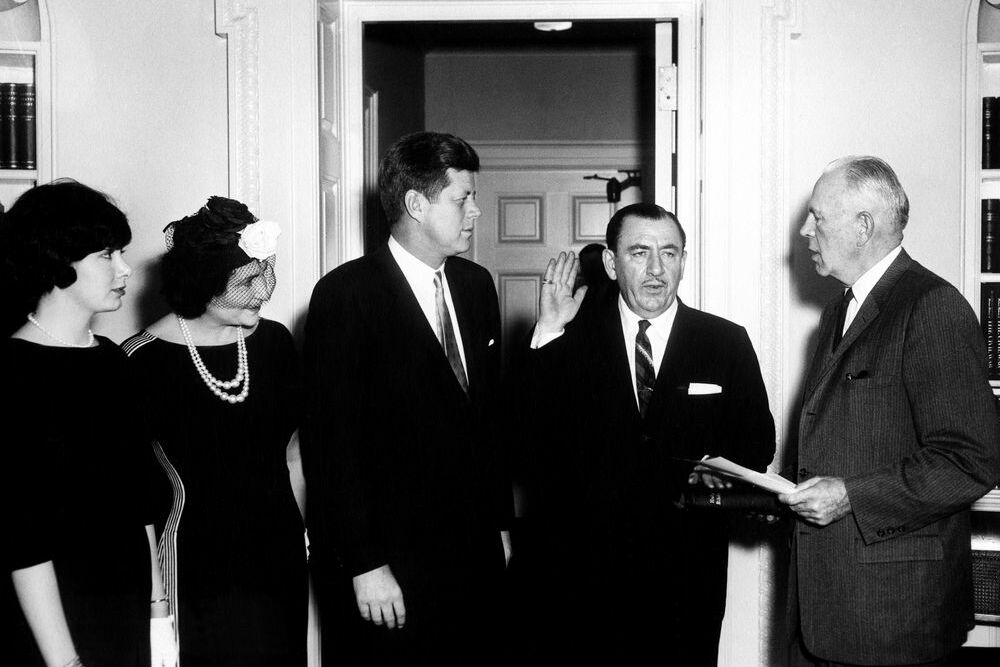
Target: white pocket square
x,y
702,388
490,344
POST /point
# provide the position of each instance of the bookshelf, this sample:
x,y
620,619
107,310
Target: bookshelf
x,y
982,80
25,58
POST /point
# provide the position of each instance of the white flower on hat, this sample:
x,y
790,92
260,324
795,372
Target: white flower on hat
x,y
260,240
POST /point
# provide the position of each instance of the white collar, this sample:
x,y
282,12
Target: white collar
x,y
863,286
414,269
661,322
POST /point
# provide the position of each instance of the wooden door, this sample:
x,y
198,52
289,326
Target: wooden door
x,y
536,203
529,216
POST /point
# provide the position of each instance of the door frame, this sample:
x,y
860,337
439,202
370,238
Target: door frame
x,y
348,226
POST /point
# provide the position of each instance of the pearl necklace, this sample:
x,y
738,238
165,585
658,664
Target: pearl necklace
x,y
66,343
220,387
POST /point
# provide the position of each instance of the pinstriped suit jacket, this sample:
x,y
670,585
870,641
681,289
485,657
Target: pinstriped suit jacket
x,y
903,412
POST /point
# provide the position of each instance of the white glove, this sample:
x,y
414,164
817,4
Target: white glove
x,y
162,644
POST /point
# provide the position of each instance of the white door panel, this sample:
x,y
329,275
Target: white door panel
x,y
529,217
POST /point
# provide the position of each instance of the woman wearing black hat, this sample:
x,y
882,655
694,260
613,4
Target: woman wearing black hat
x,y
221,392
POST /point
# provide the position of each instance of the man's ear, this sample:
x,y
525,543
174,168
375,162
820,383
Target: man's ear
x,y
865,227
415,204
608,259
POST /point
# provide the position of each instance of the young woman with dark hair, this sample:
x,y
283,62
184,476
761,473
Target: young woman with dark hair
x,y
80,548
233,539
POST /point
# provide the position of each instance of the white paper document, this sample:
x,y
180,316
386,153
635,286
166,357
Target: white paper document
x,y
771,481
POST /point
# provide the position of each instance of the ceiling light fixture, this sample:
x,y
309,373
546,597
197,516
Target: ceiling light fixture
x,y
553,26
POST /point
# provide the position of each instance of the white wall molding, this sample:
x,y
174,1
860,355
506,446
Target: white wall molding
x,y
238,22
543,155
779,24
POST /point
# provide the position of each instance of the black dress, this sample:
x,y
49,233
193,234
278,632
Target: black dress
x,y
232,545
74,493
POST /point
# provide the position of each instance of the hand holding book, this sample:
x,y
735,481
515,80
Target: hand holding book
x,y
770,481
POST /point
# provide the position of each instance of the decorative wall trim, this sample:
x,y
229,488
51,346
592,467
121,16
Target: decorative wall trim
x,y
507,206
238,22
779,24
579,234
504,280
340,241
597,155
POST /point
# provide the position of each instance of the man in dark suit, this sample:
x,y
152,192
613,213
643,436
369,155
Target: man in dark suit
x,y
405,488
898,436
626,393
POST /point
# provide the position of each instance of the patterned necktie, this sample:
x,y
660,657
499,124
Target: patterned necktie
x,y
645,374
838,333
446,334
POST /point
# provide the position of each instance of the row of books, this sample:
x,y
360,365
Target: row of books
x,y
991,133
17,126
990,316
990,261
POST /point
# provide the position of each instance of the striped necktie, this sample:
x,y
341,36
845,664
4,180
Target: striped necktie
x,y
446,334
645,373
842,307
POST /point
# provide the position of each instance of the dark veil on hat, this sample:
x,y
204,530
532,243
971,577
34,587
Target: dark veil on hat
x,y
226,233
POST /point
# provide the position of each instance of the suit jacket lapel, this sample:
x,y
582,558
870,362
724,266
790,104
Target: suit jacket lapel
x,y
412,320
619,373
825,358
679,333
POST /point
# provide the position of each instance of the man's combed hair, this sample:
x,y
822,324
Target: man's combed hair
x,y
420,162
641,210
866,173
48,228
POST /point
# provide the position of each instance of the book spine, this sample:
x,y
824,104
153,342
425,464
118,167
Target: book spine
x,y
994,344
24,126
989,138
991,225
990,299
8,113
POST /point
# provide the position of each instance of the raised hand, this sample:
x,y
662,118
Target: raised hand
x,y
558,303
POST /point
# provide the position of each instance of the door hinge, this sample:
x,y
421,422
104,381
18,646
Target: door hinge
x,y
666,88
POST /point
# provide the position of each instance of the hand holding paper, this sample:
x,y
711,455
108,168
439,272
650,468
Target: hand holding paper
x,y
771,481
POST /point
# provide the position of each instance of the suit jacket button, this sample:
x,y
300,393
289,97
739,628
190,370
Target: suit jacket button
x,y
803,473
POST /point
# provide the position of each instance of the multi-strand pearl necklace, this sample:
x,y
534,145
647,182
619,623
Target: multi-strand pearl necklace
x,y
220,387
66,343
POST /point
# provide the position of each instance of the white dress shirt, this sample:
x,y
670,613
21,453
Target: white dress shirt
x,y
421,280
864,285
658,334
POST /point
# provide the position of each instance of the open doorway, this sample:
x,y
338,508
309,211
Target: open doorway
x,y
548,111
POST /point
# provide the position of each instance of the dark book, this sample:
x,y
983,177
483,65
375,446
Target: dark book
x,y
991,226
24,126
8,115
991,125
735,499
991,323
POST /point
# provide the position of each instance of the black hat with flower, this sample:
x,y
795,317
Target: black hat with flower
x,y
208,252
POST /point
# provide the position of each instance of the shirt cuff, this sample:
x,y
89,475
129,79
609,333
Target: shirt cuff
x,y
541,339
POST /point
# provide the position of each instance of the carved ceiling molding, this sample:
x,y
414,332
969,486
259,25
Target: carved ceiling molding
x,y
238,22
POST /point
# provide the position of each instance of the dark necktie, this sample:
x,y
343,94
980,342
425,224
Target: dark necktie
x,y
645,374
446,334
838,333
